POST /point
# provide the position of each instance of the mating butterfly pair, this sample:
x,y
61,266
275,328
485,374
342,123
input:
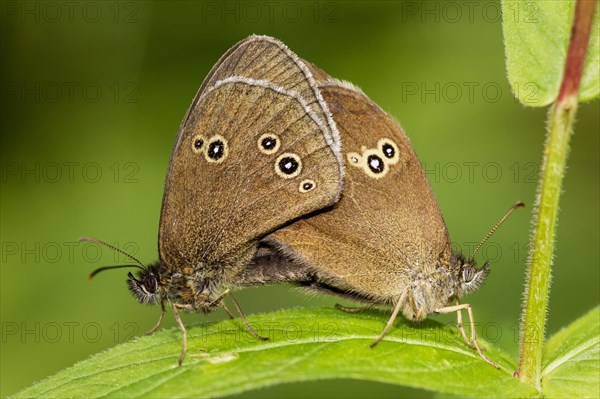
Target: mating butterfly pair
x,y
281,173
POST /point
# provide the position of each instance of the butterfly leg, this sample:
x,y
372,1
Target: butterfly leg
x,y
183,333
231,316
219,298
390,322
353,309
473,340
461,328
162,313
243,317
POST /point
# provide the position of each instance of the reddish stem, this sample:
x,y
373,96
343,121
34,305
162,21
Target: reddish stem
x,y
580,36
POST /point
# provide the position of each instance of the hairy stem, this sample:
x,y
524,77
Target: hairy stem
x,y
560,123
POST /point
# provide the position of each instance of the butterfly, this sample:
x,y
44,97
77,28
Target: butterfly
x,y
385,242
259,191
257,149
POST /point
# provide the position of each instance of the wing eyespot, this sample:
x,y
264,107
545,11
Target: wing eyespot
x,y
198,142
217,149
373,164
376,162
354,158
288,165
307,185
389,150
268,143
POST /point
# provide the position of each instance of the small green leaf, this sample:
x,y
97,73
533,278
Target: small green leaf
x,y
571,366
223,359
536,39
590,81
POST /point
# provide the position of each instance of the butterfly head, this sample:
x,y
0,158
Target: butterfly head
x,y
186,288
470,278
146,286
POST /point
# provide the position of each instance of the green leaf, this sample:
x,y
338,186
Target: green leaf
x,y
306,344
590,81
571,366
536,39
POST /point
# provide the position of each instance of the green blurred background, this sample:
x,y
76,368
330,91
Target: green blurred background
x,y
92,97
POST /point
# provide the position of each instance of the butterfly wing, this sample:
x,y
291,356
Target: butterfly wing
x,y
251,155
387,224
266,58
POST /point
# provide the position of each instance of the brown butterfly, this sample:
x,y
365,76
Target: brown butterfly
x,y
384,242
257,149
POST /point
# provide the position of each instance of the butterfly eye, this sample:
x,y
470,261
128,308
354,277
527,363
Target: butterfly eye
x,y
268,143
143,288
198,143
468,274
389,150
150,284
216,149
288,165
306,185
473,278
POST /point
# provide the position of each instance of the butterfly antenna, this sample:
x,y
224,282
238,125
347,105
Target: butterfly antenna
x,y
101,269
519,204
139,264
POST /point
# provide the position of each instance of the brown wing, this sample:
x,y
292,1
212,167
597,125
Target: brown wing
x,y
387,223
266,58
253,152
